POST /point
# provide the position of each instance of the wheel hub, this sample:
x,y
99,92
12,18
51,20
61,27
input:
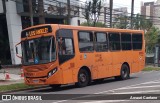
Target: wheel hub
x,y
82,77
124,72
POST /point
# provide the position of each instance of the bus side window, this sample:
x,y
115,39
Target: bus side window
x,y
101,44
137,41
65,46
114,41
126,41
85,39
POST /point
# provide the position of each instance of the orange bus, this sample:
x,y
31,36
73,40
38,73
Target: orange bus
x,y
54,54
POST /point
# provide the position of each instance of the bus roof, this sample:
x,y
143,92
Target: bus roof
x,y
86,28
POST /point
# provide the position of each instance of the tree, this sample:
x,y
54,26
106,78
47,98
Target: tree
x,y
98,24
121,22
151,38
137,22
151,32
141,23
87,12
92,11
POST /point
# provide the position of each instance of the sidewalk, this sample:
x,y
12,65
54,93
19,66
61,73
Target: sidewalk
x,y
153,66
14,74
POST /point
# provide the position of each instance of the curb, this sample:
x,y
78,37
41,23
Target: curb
x,y
11,66
38,87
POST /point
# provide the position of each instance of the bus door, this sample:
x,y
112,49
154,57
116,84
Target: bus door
x,y
66,53
103,58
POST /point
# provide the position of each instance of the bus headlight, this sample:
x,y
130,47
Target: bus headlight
x,y
52,72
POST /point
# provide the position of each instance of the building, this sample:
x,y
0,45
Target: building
x,y
147,9
156,19
102,17
116,13
119,12
14,16
151,11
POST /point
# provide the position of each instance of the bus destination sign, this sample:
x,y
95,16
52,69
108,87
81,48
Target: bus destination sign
x,y
36,31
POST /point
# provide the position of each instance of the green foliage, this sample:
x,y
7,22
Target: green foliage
x,y
151,69
65,22
151,32
140,22
151,38
12,87
92,11
121,22
98,24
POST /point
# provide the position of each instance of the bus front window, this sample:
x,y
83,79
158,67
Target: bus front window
x,y
38,51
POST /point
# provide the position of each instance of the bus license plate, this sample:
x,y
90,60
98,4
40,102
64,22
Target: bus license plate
x,y
35,81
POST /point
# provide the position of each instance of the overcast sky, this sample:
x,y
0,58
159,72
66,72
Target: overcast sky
x,y
127,3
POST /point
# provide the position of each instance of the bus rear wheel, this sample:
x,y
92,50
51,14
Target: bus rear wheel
x,y
83,78
125,74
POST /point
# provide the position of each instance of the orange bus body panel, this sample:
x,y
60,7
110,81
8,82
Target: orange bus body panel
x,y
100,64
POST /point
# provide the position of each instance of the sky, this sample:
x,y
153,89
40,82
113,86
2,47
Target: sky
x,y
127,3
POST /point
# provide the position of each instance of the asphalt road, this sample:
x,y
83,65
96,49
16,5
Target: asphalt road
x,y
142,83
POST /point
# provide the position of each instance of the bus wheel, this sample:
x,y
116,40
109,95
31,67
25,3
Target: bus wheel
x,y
124,73
83,78
55,86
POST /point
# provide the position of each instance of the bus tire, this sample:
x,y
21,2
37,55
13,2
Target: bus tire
x,y
55,86
125,74
83,78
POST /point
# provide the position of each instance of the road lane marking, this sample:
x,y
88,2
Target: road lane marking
x,y
140,87
138,92
4,101
126,87
132,86
153,82
62,101
106,101
147,72
108,91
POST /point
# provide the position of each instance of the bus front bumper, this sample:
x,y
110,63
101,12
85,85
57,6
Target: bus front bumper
x,y
54,79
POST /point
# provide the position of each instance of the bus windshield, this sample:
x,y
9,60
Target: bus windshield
x,y
39,50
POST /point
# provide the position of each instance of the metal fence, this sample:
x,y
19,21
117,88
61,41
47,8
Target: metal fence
x,y
150,61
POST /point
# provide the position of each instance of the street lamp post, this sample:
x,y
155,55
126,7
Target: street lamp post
x,y
69,12
132,12
111,8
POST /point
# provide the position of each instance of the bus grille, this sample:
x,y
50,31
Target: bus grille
x,y
35,69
